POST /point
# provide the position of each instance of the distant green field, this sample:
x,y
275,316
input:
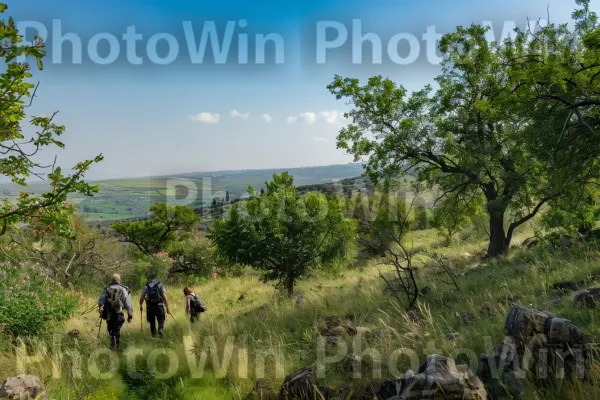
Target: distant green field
x,y
128,198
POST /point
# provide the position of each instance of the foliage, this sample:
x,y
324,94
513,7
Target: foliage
x,y
284,235
30,302
570,216
86,255
453,214
506,123
17,162
153,235
194,256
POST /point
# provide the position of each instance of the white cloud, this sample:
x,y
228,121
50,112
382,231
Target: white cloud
x,y
237,114
332,117
307,117
267,118
206,118
319,139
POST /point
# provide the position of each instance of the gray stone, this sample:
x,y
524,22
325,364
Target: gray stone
x,y
440,377
23,387
300,385
589,298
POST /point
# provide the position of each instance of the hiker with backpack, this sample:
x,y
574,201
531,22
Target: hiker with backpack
x,y
114,299
194,305
157,305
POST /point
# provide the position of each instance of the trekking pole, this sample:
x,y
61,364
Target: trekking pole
x,y
141,319
174,319
99,325
89,310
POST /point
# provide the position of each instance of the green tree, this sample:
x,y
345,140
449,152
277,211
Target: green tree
x,y
505,122
284,235
454,213
17,161
152,235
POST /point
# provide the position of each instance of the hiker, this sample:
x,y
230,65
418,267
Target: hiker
x,y
157,305
194,305
113,300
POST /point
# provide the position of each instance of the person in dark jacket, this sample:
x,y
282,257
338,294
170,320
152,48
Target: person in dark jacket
x,y
157,305
114,299
189,305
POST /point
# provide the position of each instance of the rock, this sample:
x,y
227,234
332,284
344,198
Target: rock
x,y
73,333
530,242
566,241
589,298
467,318
535,339
262,391
414,315
440,377
23,387
565,287
300,385
299,300
486,310
336,330
452,336
509,300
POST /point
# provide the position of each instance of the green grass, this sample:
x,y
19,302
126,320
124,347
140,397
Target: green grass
x,y
265,324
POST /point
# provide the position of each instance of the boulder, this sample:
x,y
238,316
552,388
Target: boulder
x,y
23,387
336,329
539,345
440,378
530,242
589,298
467,318
300,385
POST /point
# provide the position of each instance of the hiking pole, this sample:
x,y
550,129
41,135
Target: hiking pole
x,y
89,310
141,319
179,326
99,325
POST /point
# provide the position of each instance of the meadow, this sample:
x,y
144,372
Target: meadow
x,y
258,333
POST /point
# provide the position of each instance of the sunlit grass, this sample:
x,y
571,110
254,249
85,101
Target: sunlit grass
x,y
261,323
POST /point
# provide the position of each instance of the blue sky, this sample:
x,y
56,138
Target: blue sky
x,y
154,119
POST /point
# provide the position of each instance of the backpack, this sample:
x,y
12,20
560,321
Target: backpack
x,y
154,295
113,299
198,304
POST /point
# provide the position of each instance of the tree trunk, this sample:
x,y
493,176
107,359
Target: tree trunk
x,y
498,243
290,287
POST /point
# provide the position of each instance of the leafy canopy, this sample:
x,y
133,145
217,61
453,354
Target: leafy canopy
x,y
284,235
505,123
152,235
17,152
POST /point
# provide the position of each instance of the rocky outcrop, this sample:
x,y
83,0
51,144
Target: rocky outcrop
x,y
538,345
23,387
440,377
300,385
336,329
589,298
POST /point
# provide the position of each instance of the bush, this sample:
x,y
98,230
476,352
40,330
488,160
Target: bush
x,y
30,303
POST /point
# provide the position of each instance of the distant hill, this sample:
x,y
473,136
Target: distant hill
x,y
120,199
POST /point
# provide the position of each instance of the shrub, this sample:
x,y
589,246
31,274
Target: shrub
x,y
30,303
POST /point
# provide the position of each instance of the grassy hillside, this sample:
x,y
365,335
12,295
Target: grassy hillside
x,y
131,198
263,327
